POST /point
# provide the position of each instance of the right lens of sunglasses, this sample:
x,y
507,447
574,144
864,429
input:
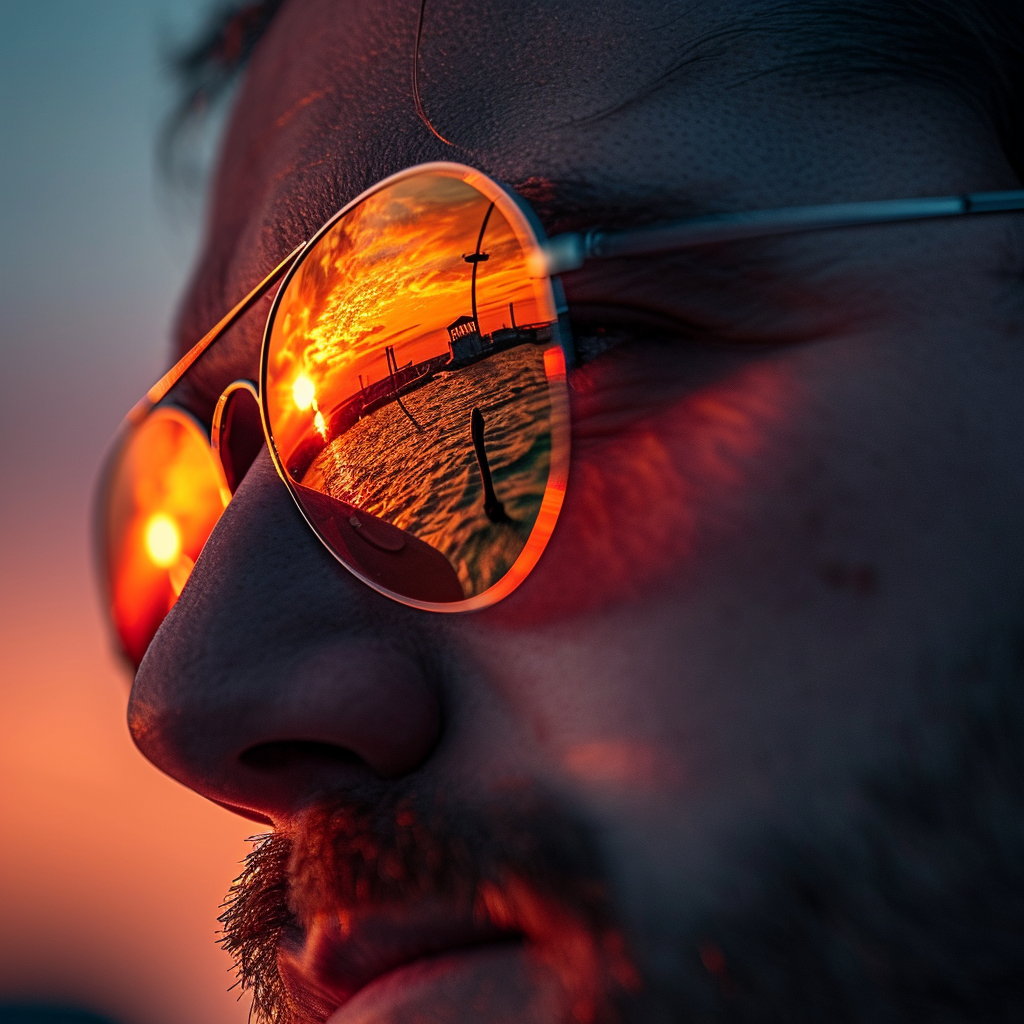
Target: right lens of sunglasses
x,y
414,388
164,493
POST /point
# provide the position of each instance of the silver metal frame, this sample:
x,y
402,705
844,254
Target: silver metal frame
x,y
159,390
242,384
571,251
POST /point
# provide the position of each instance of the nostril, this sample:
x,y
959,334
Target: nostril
x,y
282,755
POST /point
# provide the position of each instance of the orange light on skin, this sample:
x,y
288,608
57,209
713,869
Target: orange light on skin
x,y
163,540
625,765
592,967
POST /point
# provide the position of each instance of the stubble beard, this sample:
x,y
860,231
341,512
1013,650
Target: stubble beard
x,y
911,909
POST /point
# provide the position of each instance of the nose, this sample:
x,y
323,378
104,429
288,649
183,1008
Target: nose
x,y
277,675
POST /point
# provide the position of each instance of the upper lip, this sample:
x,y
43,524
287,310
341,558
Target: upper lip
x,y
342,951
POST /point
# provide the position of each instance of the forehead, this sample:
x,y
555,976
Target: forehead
x,y
497,80
529,92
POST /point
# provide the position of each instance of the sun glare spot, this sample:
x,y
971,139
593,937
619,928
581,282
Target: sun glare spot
x,y
303,391
163,540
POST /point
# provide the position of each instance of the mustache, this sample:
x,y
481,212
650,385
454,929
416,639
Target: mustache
x,y
520,862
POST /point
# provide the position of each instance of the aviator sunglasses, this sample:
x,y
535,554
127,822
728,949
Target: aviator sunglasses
x,y
412,394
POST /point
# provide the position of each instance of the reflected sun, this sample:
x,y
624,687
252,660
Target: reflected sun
x,y
163,540
303,391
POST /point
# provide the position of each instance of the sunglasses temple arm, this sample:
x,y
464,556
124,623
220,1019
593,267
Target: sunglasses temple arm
x,y
571,251
175,373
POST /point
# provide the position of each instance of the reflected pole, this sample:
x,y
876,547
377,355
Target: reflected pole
x,y
476,258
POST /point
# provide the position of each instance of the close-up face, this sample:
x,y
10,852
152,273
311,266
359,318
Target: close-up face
x,y
741,742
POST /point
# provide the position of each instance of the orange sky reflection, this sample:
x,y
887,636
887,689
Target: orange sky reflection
x,y
391,272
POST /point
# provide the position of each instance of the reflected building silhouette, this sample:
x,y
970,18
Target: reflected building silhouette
x,y
466,344
464,341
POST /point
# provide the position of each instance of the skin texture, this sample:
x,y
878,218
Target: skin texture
x,y
791,515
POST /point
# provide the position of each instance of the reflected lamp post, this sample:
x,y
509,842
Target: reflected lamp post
x,y
476,258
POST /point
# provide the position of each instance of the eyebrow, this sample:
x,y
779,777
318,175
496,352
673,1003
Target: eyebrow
x,y
577,203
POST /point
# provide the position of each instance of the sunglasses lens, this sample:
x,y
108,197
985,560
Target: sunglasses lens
x,y
414,385
164,495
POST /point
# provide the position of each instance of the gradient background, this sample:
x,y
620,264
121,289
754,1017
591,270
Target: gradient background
x,y
110,874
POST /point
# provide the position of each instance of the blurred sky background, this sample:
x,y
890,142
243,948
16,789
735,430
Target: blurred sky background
x,y
110,873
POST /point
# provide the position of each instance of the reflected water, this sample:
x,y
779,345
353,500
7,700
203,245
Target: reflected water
x,y
429,482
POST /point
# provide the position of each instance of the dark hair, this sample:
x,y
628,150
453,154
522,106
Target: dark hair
x,y
204,70
974,48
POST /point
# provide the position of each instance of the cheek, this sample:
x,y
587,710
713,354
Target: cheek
x,y
653,491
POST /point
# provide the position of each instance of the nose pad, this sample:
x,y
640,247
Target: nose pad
x,y
237,430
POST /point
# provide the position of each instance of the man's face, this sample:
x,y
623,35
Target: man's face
x,y
668,776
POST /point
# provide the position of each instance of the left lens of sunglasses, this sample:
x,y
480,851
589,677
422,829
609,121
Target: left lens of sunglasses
x,y
164,493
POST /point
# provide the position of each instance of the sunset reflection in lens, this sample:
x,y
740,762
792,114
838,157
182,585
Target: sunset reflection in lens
x,y
165,494
414,385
